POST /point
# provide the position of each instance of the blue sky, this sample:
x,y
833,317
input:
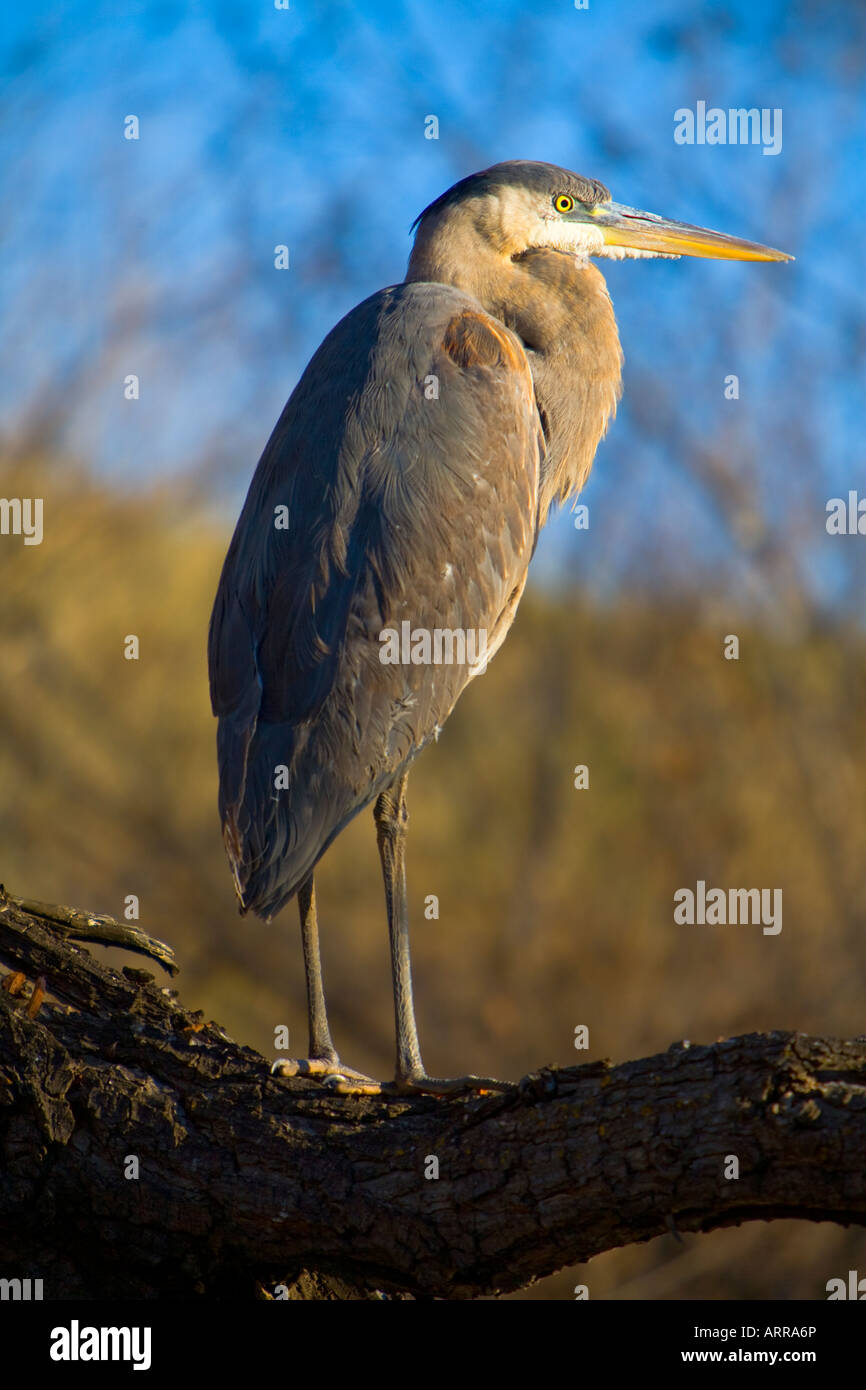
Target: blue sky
x,y
306,127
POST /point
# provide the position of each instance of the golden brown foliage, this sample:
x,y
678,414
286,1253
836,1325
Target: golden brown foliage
x,y
555,905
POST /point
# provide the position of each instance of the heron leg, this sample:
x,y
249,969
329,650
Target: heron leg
x,y
321,1045
323,1060
392,816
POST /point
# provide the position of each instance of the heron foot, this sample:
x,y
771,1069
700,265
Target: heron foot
x,y
343,1081
423,1085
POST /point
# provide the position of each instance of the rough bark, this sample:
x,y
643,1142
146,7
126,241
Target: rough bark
x,y
247,1182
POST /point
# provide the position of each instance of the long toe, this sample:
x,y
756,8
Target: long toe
x,y
353,1083
340,1080
446,1086
305,1066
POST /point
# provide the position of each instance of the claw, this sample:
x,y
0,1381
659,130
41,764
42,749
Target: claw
x,y
352,1084
340,1080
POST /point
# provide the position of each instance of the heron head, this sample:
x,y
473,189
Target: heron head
x,y
519,205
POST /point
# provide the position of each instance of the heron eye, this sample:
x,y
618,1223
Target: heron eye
x,y
563,203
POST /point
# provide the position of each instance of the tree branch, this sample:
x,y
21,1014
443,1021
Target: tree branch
x,y
246,1181
76,925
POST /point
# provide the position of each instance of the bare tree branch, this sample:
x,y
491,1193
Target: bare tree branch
x,y
246,1182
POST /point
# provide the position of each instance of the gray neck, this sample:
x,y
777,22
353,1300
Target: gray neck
x,y
560,309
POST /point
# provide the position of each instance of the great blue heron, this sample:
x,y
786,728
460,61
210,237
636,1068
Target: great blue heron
x,y
401,495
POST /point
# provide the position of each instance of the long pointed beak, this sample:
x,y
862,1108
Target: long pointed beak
x,y
643,231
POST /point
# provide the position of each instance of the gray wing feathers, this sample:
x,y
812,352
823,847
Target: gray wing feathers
x,y
406,501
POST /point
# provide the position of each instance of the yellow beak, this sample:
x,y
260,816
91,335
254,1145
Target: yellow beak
x,y
643,231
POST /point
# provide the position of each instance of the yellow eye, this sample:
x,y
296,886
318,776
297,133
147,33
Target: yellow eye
x,y
563,203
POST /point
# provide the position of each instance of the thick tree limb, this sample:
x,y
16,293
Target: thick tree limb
x,y
247,1181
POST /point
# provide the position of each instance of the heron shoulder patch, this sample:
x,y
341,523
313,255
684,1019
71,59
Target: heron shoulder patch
x,y
476,340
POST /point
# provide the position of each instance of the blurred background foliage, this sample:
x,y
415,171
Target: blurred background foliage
x,y
706,518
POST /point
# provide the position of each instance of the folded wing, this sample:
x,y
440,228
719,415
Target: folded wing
x,y
400,485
